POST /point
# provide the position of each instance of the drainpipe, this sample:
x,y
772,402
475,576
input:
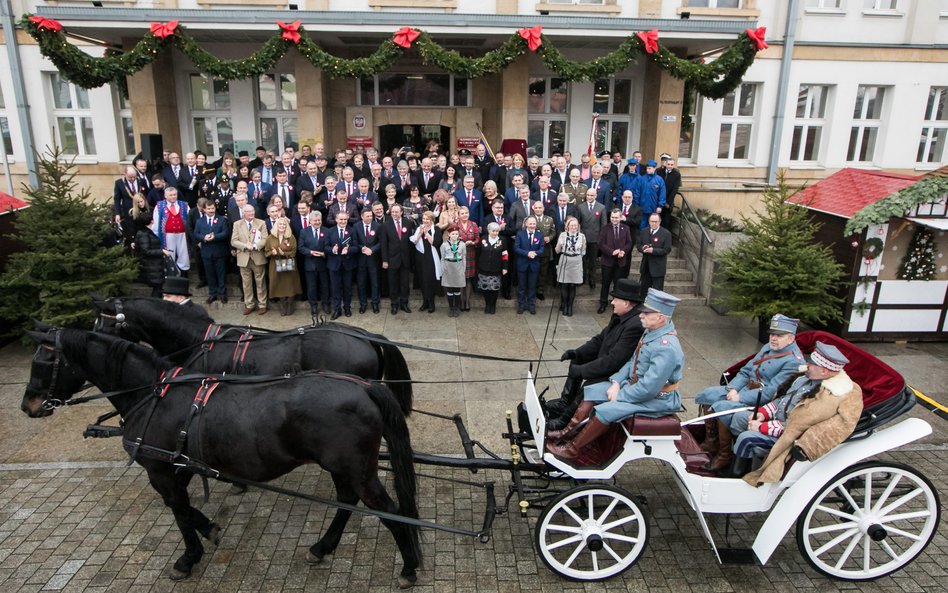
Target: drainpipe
x,y
780,113
19,92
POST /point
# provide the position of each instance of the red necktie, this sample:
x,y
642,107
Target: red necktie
x,y
305,222
398,228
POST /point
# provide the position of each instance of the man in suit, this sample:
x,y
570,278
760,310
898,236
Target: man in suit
x,y
341,253
343,203
311,181
267,170
283,188
592,217
615,244
470,169
311,246
560,173
528,246
547,229
125,188
544,194
654,243
402,181
562,211
672,178
364,197
289,166
397,251
248,238
368,241
426,179
175,174
212,237
601,185
513,192
521,209
468,195
483,161
141,171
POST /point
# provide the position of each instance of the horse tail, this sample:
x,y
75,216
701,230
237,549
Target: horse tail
x,y
395,431
397,375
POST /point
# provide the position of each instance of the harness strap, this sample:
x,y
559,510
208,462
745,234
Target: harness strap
x,y
757,363
167,384
238,358
210,336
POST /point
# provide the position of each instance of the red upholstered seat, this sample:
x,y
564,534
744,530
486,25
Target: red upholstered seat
x,y
604,449
653,427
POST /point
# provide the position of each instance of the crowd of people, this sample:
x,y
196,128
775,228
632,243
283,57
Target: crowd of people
x,y
307,225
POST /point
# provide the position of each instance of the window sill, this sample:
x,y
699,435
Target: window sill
x,y
726,164
743,13
807,166
610,9
269,3
883,13
826,11
422,4
927,167
81,160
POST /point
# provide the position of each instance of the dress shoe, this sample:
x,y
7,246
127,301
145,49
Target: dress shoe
x,y
248,310
405,308
348,312
362,309
375,308
601,309
533,311
394,309
224,299
210,300
314,310
592,284
335,315
540,296
424,306
519,310
326,309
262,311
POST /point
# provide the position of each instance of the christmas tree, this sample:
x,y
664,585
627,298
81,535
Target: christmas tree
x,y
69,255
780,267
919,260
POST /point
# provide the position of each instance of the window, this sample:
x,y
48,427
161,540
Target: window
x,y
600,2
210,114
687,140
546,123
737,122
881,5
5,127
126,132
276,111
825,4
714,3
414,89
612,100
931,145
867,119
73,117
809,122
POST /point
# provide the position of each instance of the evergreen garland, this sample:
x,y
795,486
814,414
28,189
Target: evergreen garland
x,y
919,260
713,80
927,190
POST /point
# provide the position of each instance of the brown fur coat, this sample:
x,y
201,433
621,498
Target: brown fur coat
x,y
816,425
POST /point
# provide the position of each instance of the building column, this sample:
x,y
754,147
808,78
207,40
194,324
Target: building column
x,y
515,90
661,113
152,95
310,102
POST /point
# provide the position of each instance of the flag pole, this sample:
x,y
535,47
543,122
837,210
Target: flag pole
x,y
484,140
591,151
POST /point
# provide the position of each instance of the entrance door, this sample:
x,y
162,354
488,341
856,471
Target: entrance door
x,y
394,137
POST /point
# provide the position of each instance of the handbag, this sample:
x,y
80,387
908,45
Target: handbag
x,y
286,264
171,268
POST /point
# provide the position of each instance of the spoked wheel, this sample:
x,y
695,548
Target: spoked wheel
x,y
591,533
869,521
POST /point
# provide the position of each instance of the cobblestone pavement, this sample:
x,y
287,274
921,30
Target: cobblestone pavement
x,y
73,517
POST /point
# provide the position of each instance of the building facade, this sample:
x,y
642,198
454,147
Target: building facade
x,y
865,85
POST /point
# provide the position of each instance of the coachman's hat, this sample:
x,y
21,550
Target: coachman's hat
x,y
176,285
661,302
651,164
827,356
781,324
627,290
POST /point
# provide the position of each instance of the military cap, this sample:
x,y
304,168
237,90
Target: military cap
x,y
651,163
781,324
827,356
661,302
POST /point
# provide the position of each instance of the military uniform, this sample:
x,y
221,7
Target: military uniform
x,y
772,415
762,374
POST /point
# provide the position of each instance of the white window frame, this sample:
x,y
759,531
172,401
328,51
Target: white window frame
x,y
696,108
734,120
863,124
578,2
123,114
375,92
6,134
281,115
713,4
548,117
882,8
608,118
929,127
809,124
216,148
74,112
826,6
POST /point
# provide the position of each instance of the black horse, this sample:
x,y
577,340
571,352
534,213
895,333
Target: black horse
x,y
251,429
179,332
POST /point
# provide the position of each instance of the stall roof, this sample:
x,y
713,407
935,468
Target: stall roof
x,y
850,190
10,204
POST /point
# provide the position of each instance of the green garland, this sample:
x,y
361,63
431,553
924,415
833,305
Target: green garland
x,y
713,80
928,189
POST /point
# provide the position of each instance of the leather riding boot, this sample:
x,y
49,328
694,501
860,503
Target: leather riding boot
x,y
571,449
722,461
582,412
710,442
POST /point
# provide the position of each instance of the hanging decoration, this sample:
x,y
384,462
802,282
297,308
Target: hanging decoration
x,y
872,248
757,36
712,80
918,263
532,36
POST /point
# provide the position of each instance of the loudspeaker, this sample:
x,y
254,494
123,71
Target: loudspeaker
x,y
152,147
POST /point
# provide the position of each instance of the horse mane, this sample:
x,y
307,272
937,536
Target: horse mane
x,y
76,342
173,309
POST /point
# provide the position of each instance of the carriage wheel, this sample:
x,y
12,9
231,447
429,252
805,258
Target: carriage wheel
x,y
869,521
591,533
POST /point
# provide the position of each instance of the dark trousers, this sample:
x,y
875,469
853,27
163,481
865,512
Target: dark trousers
x,y
527,289
589,262
647,281
398,283
341,281
610,274
317,287
367,279
215,268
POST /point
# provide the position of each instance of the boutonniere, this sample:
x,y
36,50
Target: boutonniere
x,y
321,235
404,229
213,221
371,233
345,233
536,240
654,239
484,243
503,255
598,213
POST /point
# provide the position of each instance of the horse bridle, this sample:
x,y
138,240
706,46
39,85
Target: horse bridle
x,y
119,316
51,403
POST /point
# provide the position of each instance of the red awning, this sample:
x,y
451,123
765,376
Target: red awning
x,y
10,204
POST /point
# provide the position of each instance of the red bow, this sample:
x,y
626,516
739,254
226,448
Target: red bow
x,y
649,40
405,36
291,31
162,30
532,35
757,36
45,23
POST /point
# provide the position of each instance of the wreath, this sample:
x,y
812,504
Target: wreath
x,y
872,248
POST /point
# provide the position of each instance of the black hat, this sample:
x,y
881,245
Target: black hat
x,y
627,290
176,285
464,152
243,153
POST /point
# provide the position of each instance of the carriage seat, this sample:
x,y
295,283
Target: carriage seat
x,y
662,426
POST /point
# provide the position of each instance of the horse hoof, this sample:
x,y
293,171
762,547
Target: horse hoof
x,y
407,582
178,575
313,558
214,535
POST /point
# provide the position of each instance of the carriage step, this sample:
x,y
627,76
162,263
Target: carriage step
x,y
737,556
